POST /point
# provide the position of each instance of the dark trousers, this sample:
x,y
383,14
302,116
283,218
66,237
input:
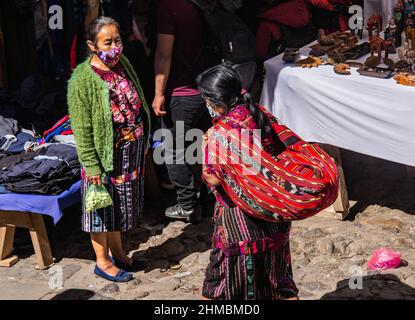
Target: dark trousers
x,y
184,114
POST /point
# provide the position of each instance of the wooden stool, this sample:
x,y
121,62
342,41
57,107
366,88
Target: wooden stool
x,y
9,220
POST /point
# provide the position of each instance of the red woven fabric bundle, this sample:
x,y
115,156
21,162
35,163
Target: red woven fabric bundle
x,y
328,4
293,185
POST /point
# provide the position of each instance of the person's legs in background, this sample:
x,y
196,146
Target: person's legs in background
x,y
206,199
187,112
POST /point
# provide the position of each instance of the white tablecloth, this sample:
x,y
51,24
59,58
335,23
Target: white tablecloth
x,y
363,114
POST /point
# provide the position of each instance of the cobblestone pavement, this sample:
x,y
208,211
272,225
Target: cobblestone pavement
x,y
326,252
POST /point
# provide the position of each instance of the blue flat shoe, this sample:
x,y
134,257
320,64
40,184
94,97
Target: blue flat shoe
x,y
121,276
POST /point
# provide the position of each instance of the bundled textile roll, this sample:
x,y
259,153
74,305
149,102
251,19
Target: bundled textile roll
x,y
292,185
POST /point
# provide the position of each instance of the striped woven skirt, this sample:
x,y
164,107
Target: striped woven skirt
x,y
126,187
250,259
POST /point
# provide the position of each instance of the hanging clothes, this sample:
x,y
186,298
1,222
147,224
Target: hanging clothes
x,y
60,50
331,15
41,24
293,14
122,12
3,72
8,104
43,48
42,101
92,12
78,48
19,40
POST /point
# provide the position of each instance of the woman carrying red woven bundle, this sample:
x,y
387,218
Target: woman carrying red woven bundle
x,y
263,177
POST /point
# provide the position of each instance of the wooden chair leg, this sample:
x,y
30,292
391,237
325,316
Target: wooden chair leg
x,y
6,246
341,204
41,243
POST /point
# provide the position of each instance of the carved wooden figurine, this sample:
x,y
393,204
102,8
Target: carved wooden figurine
x,y
409,7
374,25
398,16
377,45
390,35
325,40
410,37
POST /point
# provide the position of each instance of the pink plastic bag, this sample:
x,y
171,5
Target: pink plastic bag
x,y
384,258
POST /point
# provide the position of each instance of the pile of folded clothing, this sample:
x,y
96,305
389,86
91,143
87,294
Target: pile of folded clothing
x,y
45,165
13,138
48,170
61,128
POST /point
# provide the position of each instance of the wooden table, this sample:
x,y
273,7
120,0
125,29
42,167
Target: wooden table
x,y
9,220
362,114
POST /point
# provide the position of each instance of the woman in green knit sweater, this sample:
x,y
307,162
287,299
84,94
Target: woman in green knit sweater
x,y
110,121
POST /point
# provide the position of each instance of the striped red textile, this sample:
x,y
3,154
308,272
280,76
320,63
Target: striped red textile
x,y
322,4
293,185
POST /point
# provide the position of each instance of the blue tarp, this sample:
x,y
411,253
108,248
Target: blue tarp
x,y
47,205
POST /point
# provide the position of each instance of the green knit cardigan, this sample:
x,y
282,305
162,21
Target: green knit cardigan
x,y
91,117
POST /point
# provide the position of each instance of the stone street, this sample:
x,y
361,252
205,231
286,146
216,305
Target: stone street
x,y
326,252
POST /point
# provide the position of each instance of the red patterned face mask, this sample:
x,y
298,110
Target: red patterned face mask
x,y
110,57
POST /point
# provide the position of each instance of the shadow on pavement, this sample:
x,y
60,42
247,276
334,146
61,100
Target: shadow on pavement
x,y
373,287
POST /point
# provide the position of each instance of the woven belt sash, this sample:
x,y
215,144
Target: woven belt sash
x,y
250,247
118,179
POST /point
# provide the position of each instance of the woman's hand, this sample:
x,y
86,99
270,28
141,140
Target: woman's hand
x,y
158,105
210,178
95,180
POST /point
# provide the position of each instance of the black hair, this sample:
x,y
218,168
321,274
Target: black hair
x,y
222,85
95,27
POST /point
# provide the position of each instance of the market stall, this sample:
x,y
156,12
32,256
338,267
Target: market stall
x,y
25,211
372,115
39,176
